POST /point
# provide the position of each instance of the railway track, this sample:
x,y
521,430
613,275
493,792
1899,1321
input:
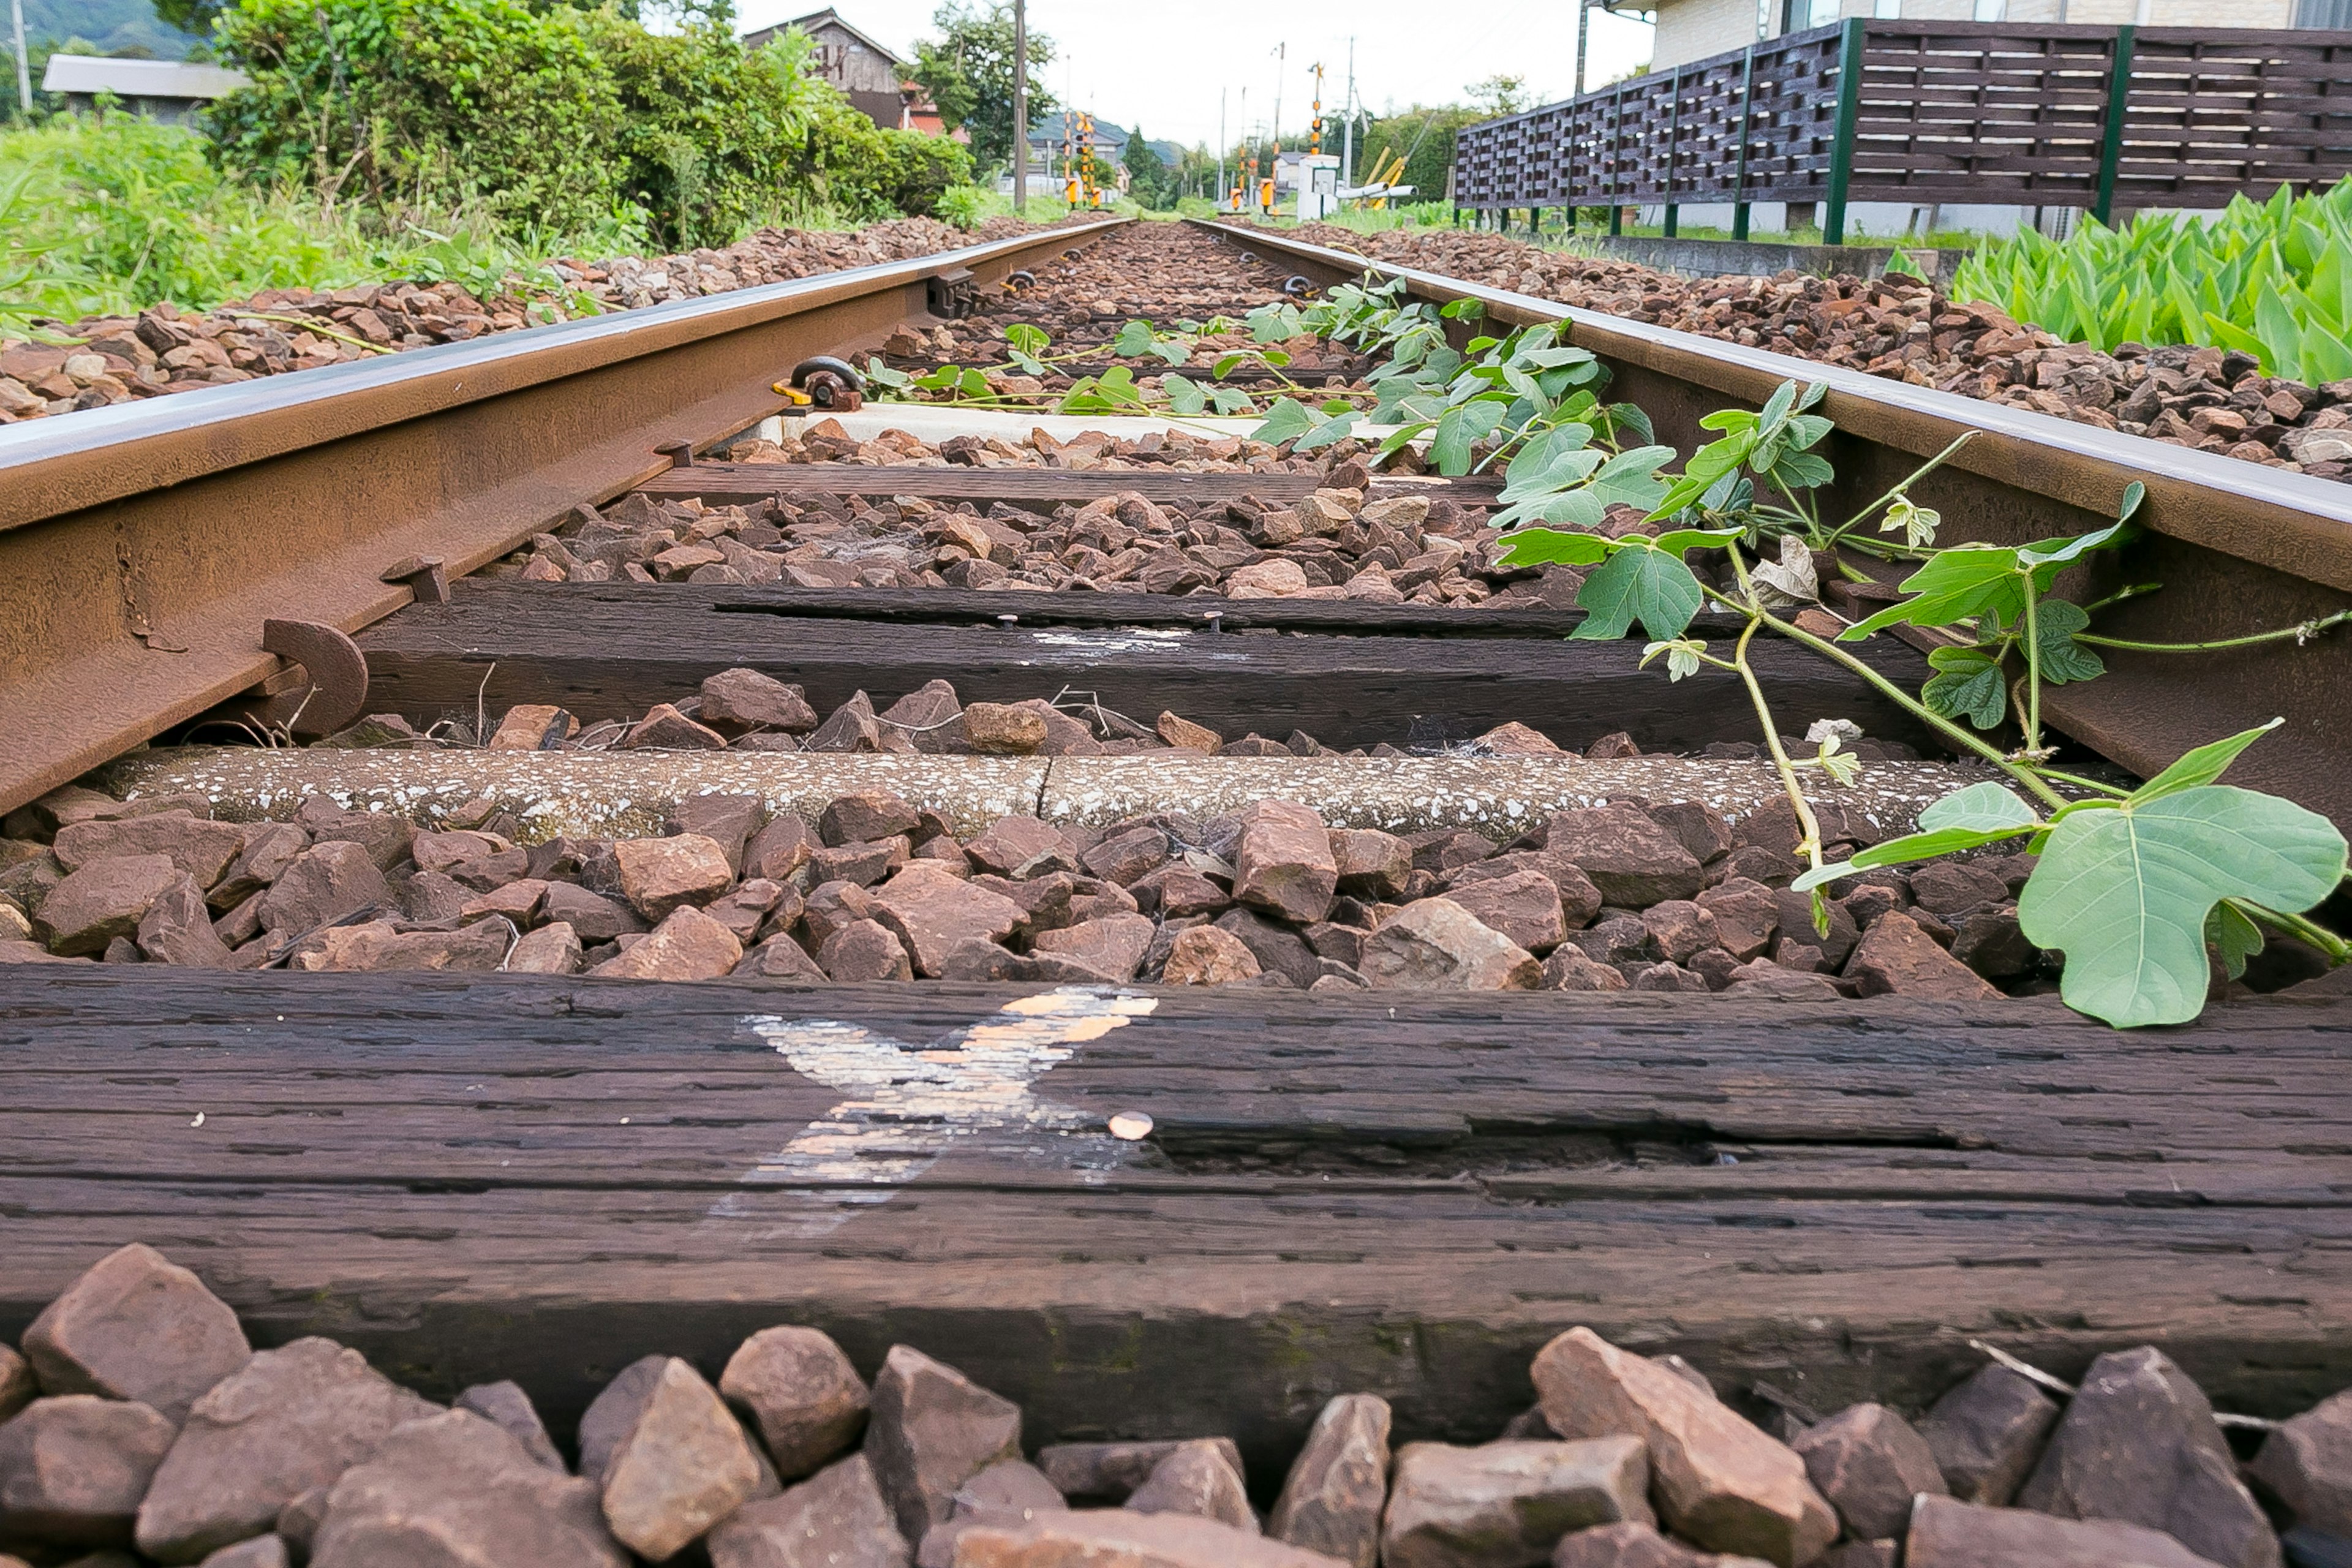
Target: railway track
x,y
475,1175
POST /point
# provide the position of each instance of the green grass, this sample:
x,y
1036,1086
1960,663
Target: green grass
x,y
114,216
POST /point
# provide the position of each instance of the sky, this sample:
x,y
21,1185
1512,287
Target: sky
x,y
1162,67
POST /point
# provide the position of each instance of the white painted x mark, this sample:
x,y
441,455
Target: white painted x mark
x,y
910,1104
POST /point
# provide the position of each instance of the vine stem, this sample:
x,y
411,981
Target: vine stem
x,y
315,329
1856,521
2032,643
1887,689
2299,632
1810,825
2338,950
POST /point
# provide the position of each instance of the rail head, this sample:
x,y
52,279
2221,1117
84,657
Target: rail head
x,y
2289,521
49,468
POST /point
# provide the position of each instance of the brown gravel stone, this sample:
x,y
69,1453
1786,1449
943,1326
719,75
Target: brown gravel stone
x,y
1504,1505
457,1488
2139,1443
1719,1480
1568,969
866,817
1007,1494
382,946
727,820
1205,955
1639,1546
533,727
779,848
1870,1464
740,700
995,729
1284,863
325,882
594,916
1332,1500
1117,1538
659,875
270,848
73,1468
1631,859
931,910
836,1518
18,1387
1110,947
135,1326
178,929
1986,1433
665,729
1109,1472
504,1405
1185,735
1436,944
1746,916
1196,1478
291,1419
201,849
1523,906
1948,1533
800,1391
684,1466
687,945
932,1428
2306,1463
1896,956
1372,864
1023,847
104,899
549,950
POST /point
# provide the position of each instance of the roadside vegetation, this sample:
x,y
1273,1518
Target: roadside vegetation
x,y
462,139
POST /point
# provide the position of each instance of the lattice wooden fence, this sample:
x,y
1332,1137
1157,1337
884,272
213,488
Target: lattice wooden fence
x,y
1926,111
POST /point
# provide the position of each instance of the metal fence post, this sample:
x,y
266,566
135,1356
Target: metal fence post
x,y
1616,158
1849,111
2111,143
1673,135
1740,177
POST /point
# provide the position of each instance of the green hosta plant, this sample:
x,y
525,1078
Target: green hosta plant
x,y
2273,278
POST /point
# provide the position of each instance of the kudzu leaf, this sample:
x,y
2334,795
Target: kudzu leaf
x,y
1026,339
1639,583
1135,338
1967,685
1230,400
1966,580
1905,850
1985,807
1334,429
1461,429
1578,508
1286,421
1227,364
2234,936
1172,352
972,383
2124,891
1550,546
1630,477
2203,764
1183,395
2061,658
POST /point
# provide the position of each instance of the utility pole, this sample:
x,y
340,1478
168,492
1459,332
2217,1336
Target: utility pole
x,y
1020,106
1348,131
1221,146
1584,26
24,66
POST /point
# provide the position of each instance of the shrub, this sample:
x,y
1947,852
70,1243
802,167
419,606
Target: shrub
x,y
425,102
963,205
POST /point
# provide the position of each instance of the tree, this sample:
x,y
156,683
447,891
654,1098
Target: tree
x,y
191,16
967,71
1148,179
1499,94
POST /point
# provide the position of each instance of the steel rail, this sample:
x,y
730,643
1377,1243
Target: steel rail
x,y
2243,547
143,547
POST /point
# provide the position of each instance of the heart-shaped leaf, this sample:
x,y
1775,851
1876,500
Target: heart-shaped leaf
x,y
1967,685
1986,807
1639,583
1550,546
2124,891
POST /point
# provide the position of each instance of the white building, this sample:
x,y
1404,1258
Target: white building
x,y
168,91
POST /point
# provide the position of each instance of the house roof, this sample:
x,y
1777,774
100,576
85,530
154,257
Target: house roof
x,y
815,19
140,79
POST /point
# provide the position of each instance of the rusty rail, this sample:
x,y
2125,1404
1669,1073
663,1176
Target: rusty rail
x,y
143,547
2243,547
